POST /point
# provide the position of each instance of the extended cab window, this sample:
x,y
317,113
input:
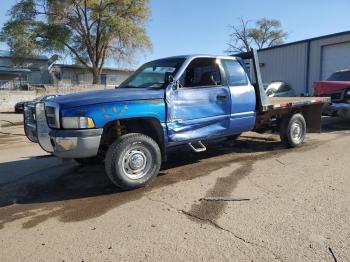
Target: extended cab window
x,y
236,76
201,72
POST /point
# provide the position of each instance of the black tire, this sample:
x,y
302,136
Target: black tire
x,y
89,161
293,130
119,164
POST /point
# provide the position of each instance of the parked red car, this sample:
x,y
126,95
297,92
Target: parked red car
x,y
337,86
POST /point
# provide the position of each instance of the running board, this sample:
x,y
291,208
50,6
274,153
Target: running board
x,y
201,147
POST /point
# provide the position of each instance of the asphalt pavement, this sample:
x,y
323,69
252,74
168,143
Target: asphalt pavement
x,y
245,200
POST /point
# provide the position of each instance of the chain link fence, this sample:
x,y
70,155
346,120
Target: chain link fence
x,y
11,85
17,85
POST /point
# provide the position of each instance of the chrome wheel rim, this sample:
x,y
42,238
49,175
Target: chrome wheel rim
x,y
297,133
137,162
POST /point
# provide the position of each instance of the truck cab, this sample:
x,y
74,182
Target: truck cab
x,y
181,100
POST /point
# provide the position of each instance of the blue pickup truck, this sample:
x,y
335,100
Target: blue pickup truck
x,y
184,100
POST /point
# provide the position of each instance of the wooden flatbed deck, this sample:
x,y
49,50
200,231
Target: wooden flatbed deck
x,y
291,102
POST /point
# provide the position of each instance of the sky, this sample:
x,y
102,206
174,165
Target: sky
x,y
178,27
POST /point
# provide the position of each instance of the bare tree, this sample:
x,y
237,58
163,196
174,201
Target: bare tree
x,y
239,38
265,33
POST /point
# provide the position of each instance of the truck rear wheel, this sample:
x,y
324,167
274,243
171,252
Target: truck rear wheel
x,y
133,161
293,130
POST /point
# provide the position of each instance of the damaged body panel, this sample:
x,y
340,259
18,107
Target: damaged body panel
x,y
107,112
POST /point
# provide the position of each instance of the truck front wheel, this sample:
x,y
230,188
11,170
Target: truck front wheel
x,y
133,161
293,130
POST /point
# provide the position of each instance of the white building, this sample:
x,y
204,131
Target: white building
x,y
302,63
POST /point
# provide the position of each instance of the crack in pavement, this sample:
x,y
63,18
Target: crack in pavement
x,y
215,225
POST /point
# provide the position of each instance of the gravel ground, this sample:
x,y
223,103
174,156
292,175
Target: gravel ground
x,y
248,200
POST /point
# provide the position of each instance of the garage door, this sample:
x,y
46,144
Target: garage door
x,y
335,57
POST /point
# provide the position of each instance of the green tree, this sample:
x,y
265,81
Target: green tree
x,y
265,33
90,31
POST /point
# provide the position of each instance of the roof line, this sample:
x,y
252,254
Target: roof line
x,y
84,67
306,40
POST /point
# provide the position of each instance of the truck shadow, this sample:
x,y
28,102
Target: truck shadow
x,y
71,192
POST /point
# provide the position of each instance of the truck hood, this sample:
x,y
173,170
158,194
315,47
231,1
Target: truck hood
x,y
328,87
108,96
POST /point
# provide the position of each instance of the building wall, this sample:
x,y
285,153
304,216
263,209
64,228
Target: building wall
x,y
316,55
79,76
287,64
39,73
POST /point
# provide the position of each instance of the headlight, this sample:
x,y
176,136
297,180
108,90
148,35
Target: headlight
x,y
77,122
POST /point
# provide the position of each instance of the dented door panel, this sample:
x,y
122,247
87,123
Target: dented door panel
x,y
198,112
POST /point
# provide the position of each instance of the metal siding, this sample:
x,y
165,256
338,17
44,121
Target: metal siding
x,y
316,56
286,64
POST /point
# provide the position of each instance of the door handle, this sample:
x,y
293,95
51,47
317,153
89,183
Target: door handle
x,y
221,97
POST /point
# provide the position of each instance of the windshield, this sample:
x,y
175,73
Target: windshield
x,y
340,76
154,74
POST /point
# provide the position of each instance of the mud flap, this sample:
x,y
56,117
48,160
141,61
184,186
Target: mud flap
x,y
42,128
313,115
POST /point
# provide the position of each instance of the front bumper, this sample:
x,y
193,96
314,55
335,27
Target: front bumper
x,y
75,143
62,143
338,109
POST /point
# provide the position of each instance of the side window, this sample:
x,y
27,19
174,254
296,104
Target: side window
x,y
236,76
201,72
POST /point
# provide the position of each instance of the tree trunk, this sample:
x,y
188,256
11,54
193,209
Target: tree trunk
x,y
96,76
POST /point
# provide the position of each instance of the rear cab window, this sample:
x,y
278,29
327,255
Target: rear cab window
x,y
235,74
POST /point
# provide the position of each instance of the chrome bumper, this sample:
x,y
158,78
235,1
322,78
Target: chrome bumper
x,y
75,143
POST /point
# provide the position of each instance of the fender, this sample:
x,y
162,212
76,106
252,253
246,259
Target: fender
x,y
106,112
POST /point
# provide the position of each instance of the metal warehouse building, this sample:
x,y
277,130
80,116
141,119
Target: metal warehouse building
x,y
303,62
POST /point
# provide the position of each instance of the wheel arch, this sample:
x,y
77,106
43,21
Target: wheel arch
x,y
149,126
